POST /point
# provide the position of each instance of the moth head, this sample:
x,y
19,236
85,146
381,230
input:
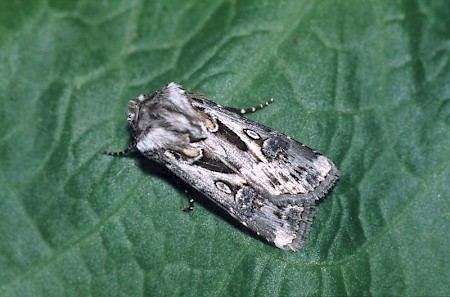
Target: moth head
x,y
164,119
138,116
133,113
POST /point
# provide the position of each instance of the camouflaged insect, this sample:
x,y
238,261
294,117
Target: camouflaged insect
x,y
266,180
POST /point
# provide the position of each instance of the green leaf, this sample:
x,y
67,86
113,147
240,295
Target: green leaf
x,y
365,83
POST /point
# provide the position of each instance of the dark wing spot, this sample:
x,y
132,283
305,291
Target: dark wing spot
x,y
213,165
273,146
231,136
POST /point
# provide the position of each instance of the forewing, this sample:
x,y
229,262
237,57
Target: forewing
x,y
266,180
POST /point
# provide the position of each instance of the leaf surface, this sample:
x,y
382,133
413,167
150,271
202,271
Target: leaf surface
x,y
364,83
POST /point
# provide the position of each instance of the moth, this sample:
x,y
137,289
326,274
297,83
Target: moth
x,y
267,181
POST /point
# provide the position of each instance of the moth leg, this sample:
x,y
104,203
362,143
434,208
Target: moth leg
x,y
191,205
250,109
131,146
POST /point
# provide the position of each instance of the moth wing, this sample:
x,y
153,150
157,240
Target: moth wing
x,y
266,180
272,162
286,226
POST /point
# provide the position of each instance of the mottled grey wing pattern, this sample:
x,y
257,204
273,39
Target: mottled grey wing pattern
x,y
266,180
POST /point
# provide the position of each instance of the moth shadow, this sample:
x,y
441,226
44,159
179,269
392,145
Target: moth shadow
x,y
153,168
